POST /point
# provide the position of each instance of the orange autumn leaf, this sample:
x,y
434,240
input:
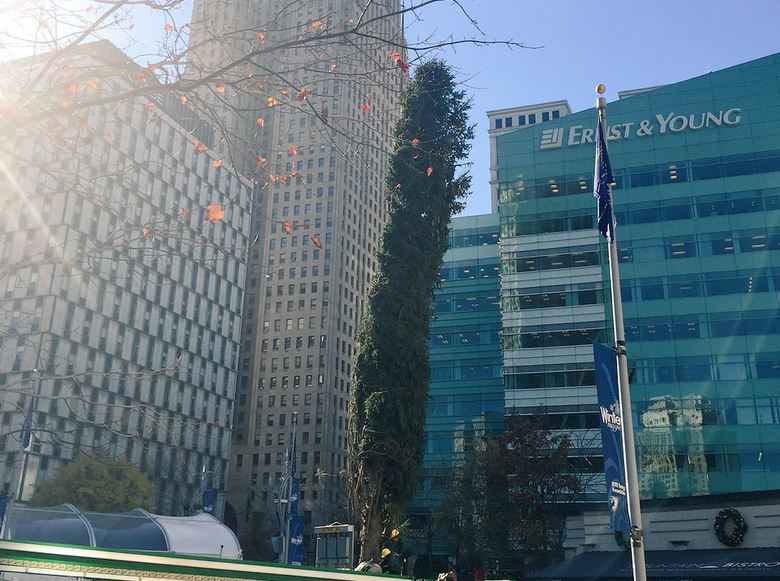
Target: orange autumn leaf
x,y
415,142
302,94
110,136
397,186
333,67
286,226
261,161
294,174
292,150
272,102
316,241
260,36
365,107
315,25
198,146
168,27
260,122
184,211
284,92
219,88
151,67
144,231
215,212
183,99
272,178
151,106
217,163
282,179
140,79
94,84
429,171
72,89
398,60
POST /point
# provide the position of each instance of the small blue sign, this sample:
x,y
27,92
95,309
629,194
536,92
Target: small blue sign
x,y
611,436
209,498
297,526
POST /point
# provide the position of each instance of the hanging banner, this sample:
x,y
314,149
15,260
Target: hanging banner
x,y
296,540
209,498
605,361
3,507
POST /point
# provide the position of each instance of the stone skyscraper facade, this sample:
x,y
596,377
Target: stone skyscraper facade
x,y
320,208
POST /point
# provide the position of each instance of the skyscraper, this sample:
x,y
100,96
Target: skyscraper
x,y
122,294
321,128
466,405
697,173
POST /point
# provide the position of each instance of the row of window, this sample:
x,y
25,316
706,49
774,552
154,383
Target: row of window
x,y
466,302
731,367
690,245
466,237
514,262
466,370
700,285
529,119
648,250
470,270
725,204
648,175
521,299
284,381
464,336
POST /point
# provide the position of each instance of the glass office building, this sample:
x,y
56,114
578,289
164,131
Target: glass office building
x,y
466,394
697,198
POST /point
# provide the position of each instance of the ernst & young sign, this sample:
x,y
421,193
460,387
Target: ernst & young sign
x,y
661,124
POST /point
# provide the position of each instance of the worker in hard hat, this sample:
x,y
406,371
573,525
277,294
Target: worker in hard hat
x,y
389,562
405,551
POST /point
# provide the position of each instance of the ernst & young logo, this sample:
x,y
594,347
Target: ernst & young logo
x,y
661,124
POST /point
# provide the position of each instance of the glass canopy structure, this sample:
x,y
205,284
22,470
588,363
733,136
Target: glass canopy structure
x,y
200,535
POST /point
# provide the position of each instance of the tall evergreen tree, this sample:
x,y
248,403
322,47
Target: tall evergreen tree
x,y
426,187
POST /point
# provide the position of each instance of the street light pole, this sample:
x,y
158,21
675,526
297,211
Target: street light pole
x,y
27,437
629,452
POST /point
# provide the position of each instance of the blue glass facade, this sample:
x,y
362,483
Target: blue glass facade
x,y
697,198
466,393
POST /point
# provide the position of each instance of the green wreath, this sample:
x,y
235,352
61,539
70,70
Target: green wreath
x,y
738,532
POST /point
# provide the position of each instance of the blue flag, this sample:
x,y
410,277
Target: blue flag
x,y
611,436
293,451
602,178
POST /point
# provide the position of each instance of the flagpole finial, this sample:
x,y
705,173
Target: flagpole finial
x,y
601,89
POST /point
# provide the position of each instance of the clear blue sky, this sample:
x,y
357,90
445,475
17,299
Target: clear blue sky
x,y
625,44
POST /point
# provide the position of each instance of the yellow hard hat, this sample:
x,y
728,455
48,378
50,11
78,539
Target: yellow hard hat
x,y
395,533
385,552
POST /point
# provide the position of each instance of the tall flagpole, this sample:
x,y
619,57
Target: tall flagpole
x,y
629,450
